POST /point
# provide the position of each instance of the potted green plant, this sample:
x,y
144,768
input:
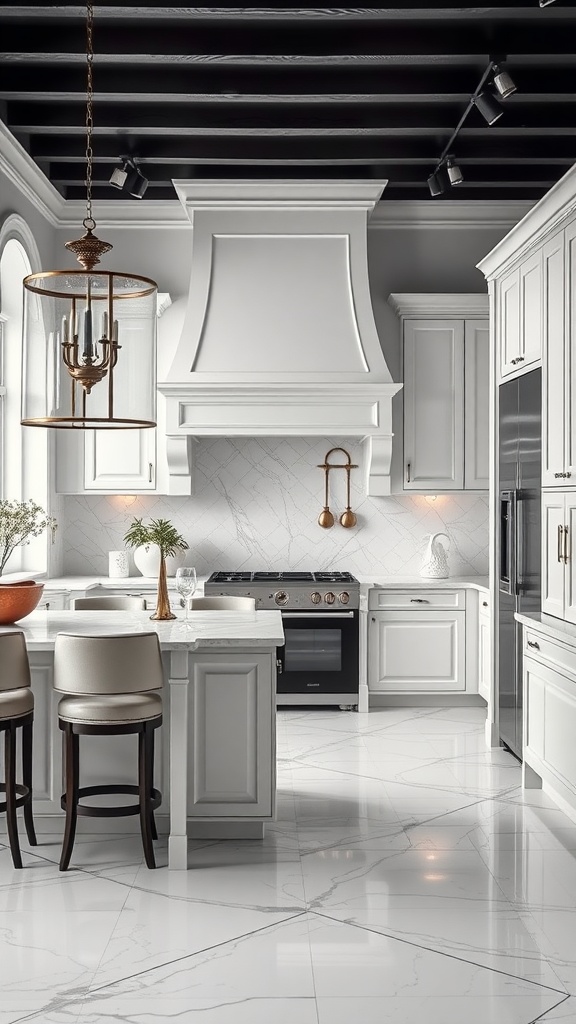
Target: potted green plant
x,y
162,533
19,522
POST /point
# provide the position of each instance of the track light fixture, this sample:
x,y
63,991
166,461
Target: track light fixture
x,y
503,82
435,184
545,3
488,106
130,179
455,175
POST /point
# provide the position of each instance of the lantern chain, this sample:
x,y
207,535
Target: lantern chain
x,y
89,222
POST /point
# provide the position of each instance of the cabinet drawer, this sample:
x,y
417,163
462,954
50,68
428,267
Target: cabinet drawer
x,y
537,646
416,600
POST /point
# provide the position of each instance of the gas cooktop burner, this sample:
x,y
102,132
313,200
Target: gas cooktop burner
x,y
282,577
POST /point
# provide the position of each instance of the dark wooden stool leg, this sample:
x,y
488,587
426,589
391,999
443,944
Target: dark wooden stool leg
x,y
10,777
72,774
150,755
145,792
27,780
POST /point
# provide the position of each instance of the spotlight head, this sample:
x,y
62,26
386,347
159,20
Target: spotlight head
x,y
455,175
488,106
119,175
503,82
545,3
435,184
135,184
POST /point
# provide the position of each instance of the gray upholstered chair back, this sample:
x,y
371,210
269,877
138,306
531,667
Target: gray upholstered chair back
x,y
224,604
109,604
14,667
107,664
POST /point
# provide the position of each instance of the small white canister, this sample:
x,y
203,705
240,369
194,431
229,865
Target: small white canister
x,y
117,564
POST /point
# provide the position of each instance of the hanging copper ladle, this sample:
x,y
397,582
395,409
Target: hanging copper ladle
x,y
348,518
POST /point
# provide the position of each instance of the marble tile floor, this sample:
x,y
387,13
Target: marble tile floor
x,y
407,878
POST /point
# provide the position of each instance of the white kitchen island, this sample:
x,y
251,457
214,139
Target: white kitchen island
x,y
216,755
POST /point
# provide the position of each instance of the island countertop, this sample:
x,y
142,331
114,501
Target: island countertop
x,y
261,629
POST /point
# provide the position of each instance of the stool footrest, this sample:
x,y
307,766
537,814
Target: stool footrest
x,y
22,797
115,811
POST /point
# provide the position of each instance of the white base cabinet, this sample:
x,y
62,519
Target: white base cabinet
x,y
416,642
484,648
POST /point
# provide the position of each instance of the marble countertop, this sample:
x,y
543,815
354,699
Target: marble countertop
x,y
549,625
376,580
204,628
425,583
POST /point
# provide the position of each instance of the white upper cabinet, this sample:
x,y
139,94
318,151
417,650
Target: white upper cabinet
x,y
445,393
519,295
433,405
120,460
555,435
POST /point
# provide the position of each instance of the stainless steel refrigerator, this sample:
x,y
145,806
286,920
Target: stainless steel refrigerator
x,y
519,475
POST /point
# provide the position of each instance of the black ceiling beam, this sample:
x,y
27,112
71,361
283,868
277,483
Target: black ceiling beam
x,y
158,150
152,118
307,9
171,82
267,38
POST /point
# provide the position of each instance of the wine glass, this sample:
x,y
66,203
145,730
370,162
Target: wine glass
x,y
186,585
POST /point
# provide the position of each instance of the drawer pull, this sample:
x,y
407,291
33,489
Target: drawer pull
x,y
419,600
534,644
484,604
562,475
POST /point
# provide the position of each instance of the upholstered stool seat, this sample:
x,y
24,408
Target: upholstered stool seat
x,y
109,686
111,708
14,703
16,712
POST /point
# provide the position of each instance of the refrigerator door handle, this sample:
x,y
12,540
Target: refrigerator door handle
x,y
508,542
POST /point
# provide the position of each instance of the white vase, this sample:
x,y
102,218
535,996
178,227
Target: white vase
x,y
147,560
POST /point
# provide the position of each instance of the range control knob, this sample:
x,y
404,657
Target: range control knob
x,y
344,597
281,597
315,597
329,598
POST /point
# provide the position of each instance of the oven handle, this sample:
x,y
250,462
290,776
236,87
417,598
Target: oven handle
x,y
318,615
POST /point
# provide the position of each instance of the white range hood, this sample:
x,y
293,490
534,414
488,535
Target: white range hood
x,y
279,335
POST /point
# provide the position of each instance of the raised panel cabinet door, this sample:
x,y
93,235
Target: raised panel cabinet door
x,y
417,652
433,405
569,551
531,309
553,519
508,292
553,382
534,681
476,404
120,460
232,722
569,358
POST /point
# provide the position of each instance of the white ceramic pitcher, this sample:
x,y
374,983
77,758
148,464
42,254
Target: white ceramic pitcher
x,y
435,561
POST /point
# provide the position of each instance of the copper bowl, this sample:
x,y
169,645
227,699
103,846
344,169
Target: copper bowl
x,y
18,600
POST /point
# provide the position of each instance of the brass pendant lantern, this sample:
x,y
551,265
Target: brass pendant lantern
x,y
89,350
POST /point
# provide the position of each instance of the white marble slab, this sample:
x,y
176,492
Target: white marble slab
x,y
549,625
204,628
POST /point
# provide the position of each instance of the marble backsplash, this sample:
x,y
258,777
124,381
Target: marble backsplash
x,y
256,506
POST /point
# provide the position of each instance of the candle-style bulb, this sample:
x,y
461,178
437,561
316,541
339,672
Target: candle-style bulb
x,y
64,331
87,349
104,331
115,331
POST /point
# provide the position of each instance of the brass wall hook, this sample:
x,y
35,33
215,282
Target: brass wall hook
x,y
326,518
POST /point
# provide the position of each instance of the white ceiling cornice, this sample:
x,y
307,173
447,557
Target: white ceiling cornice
x,y
438,304
21,170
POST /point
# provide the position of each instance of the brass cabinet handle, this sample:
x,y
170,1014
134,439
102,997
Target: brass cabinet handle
x,y
150,468
407,472
563,475
566,548
419,600
532,643
518,359
560,543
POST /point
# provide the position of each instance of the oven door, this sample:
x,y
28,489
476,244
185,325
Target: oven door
x,y
320,654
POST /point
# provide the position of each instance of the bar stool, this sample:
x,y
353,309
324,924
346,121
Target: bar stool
x,y
108,683
223,604
109,604
16,712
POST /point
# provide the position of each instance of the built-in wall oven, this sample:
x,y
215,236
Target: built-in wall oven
x,y
318,663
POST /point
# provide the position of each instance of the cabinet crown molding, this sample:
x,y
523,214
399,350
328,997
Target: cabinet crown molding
x,y
437,304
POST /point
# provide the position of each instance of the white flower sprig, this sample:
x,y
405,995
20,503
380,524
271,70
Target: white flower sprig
x,y
19,522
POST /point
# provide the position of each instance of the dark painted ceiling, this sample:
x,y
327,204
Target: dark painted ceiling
x,y
301,92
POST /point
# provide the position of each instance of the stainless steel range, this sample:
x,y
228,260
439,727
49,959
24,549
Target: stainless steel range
x,y
320,615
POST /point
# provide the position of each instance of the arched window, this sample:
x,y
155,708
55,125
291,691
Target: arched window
x,y
24,468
